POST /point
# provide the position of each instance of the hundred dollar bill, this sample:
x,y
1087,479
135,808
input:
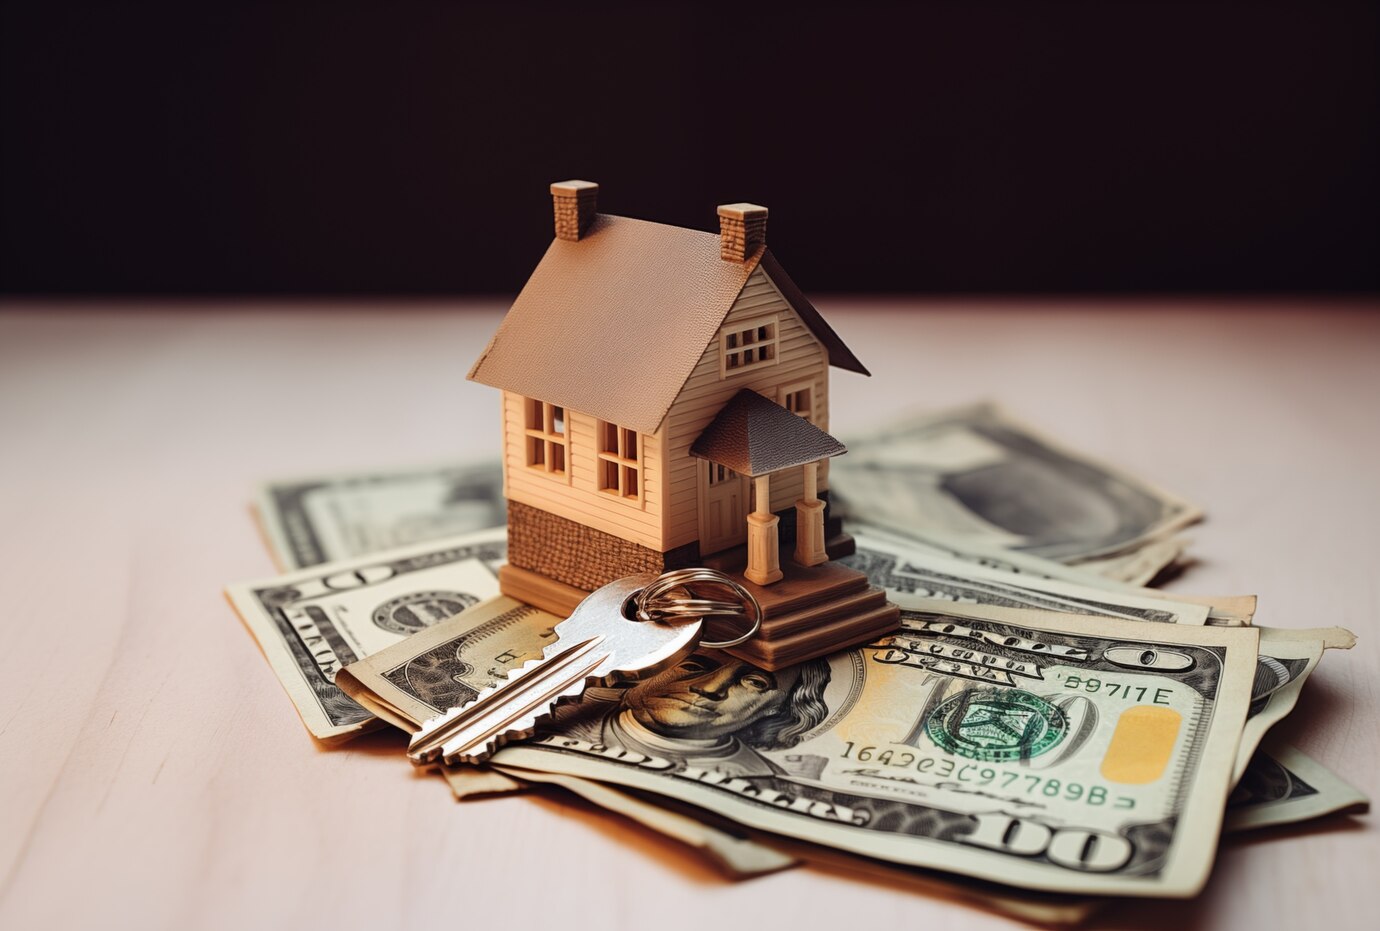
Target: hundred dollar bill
x,y
938,580
312,623
1079,755
978,473
878,543
1133,568
321,519
1282,785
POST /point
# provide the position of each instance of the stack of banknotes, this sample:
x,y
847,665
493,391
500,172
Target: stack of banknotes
x,y
1042,732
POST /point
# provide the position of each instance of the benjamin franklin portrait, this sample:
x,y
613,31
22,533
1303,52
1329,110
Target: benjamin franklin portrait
x,y
711,712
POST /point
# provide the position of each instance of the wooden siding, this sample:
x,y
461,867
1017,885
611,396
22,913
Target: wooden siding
x,y
580,499
800,358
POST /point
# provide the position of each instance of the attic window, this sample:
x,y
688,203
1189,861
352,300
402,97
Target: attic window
x,y
620,461
799,400
546,437
749,344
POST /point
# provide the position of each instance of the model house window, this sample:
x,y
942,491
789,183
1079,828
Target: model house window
x,y
620,461
749,344
719,474
799,400
546,437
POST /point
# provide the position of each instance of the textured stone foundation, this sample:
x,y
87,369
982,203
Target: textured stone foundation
x,y
580,556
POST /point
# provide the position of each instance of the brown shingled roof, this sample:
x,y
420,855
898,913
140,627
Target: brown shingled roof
x,y
612,325
754,436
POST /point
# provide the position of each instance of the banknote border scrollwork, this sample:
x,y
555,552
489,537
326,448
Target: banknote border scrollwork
x,y
323,690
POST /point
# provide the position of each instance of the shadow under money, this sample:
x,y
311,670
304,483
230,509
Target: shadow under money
x,y
1156,915
1324,706
1335,824
676,857
384,741
1205,911
1175,571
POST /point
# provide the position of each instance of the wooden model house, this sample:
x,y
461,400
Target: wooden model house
x,y
666,404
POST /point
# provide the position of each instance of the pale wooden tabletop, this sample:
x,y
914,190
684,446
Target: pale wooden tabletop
x,y
154,775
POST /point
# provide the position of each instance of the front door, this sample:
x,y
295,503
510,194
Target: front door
x,y
723,508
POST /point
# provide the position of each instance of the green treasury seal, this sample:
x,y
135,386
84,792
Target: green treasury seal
x,y
996,725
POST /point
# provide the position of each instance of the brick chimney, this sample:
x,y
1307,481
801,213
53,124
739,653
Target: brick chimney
x,y
742,228
575,205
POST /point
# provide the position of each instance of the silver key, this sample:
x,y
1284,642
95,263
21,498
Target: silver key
x,y
601,641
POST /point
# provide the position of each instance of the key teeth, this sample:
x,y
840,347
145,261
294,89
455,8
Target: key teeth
x,y
527,725
479,754
437,721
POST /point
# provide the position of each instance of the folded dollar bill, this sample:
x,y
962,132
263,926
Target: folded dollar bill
x,y
441,668
1136,566
326,518
980,474
888,550
1282,785
1286,659
445,667
312,623
938,580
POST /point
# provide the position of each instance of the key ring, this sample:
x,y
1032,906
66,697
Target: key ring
x,y
650,607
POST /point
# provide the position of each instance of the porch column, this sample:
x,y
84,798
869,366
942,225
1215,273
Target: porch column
x,y
809,520
764,559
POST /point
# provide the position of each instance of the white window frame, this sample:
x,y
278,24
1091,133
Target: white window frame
x,y
734,332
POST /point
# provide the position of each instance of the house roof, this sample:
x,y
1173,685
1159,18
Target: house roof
x,y
754,436
613,325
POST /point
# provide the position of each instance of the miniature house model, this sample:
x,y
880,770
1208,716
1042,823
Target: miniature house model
x,y
665,404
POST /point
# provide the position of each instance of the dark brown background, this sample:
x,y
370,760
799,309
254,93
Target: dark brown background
x,y
406,148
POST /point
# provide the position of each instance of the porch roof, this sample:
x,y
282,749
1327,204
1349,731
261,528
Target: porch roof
x,y
754,436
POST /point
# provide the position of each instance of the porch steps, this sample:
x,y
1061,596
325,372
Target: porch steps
x,y
812,611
